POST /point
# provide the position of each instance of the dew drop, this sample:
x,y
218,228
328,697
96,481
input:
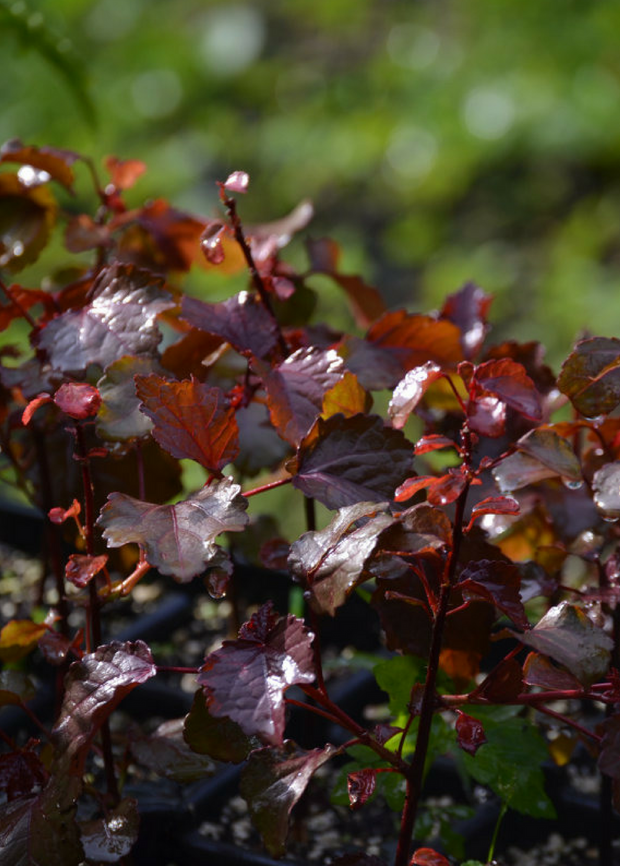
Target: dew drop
x,y
17,249
609,518
572,484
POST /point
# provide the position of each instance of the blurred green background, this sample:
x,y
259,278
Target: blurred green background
x,y
439,141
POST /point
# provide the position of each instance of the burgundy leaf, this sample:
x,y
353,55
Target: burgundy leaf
x,y
366,302
177,539
33,405
486,416
83,234
211,242
508,380
246,678
469,733
352,460
590,376
568,636
494,505
330,562
39,830
81,569
243,321
518,470
79,400
433,442
260,446
119,321
167,753
21,771
119,417
191,420
296,389
448,488
219,738
410,391
414,339
503,684
375,367
56,647
468,309
107,840
361,786
497,582
272,782
27,216
412,486
540,671
94,686
553,451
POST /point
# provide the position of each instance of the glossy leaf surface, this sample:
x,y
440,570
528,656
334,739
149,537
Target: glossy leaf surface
x,y
351,460
508,380
242,321
469,733
191,420
119,321
410,391
361,786
590,376
219,737
606,487
107,840
177,539
272,782
246,678
119,417
498,582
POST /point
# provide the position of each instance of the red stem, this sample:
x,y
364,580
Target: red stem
x,y
271,486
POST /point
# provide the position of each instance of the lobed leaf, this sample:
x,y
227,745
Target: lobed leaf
x,y
469,733
81,568
119,321
119,418
191,420
361,786
508,380
177,539
246,678
272,783
94,686
352,460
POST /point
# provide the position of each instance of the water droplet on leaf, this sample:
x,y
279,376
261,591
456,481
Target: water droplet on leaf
x,y
572,484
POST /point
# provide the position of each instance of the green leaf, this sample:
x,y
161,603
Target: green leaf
x,y
396,676
220,738
510,763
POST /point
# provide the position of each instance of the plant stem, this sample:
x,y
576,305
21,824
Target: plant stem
x,y
498,823
415,772
231,207
271,486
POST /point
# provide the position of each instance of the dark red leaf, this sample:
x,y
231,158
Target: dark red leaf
x,y
375,367
56,647
40,830
433,442
448,488
497,582
21,771
508,380
414,339
191,420
428,857
27,216
331,561
361,786
20,300
412,485
83,234
59,515
177,539
487,416
56,163
540,671
81,569
553,451
242,321
590,376
503,684
468,309
469,733
272,782
568,636
211,242
120,320
79,400
352,460
246,678
366,302
33,405
410,391
94,686
494,505
296,389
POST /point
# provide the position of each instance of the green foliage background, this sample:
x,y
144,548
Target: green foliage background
x,y
440,141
